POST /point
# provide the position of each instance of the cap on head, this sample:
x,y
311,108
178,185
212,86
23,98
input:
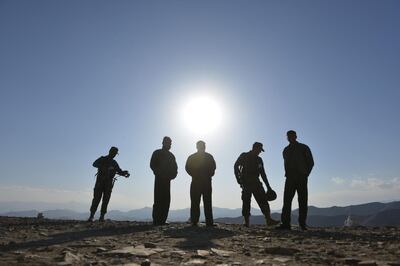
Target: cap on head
x,y
258,145
291,133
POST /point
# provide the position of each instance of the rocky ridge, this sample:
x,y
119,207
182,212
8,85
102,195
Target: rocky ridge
x,y
29,241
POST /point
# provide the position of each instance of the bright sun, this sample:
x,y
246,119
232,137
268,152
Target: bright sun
x,y
202,114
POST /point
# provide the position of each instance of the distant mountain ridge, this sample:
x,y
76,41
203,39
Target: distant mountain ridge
x,y
360,209
368,214
143,214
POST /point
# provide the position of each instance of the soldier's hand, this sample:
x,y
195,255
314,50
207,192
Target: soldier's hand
x,y
126,174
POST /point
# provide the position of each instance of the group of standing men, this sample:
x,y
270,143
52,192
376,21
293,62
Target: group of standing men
x,y
201,167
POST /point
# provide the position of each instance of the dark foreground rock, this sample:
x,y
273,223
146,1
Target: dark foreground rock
x,y
28,241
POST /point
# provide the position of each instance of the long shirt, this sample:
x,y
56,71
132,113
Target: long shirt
x,y
107,167
163,164
200,166
248,167
298,160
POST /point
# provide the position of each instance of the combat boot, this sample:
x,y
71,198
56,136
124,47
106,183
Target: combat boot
x,y
101,219
270,222
246,221
91,217
283,227
303,227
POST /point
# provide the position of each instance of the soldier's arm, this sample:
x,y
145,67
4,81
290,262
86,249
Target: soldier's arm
x,y
237,168
263,174
120,171
188,166
284,155
154,162
175,167
98,162
309,160
213,166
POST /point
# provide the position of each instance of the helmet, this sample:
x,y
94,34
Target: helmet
x,y
271,195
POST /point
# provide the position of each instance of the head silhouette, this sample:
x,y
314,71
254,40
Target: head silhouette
x,y
166,143
113,152
257,148
201,146
291,136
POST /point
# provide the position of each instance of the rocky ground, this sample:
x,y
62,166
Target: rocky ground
x,y
29,241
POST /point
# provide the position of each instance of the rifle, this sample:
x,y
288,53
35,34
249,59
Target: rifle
x,y
125,174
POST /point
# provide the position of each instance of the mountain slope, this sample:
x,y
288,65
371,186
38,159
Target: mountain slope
x,y
384,218
361,209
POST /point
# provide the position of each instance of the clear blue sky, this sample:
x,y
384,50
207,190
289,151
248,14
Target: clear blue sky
x,y
77,77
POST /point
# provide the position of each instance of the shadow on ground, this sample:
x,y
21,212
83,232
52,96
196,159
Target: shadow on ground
x,y
198,237
66,237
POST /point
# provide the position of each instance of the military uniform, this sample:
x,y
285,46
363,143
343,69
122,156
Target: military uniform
x,y
299,162
107,169
248,168
201,167
165,169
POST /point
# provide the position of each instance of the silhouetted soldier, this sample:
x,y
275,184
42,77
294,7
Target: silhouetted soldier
x,y
298,165
248,167
107,168
164,167
201,167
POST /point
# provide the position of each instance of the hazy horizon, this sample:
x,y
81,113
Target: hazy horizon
x,y
19,206
79,77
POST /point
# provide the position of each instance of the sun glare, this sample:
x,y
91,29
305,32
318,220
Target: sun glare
x,y
202,114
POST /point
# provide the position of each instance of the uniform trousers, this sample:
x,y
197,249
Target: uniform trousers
x,y
295,184
102,189
201,187
257,190
162,200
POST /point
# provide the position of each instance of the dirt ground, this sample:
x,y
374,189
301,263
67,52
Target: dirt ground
x,y
29,241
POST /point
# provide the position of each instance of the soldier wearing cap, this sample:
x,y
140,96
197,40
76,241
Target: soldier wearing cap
x,y
201,167
298,162
248,167
107,168
164,167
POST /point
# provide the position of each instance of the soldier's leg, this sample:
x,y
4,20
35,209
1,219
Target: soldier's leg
x,y
246,201
207,201
290,190
195,195
106,198
166,200
157,201
261,198
302,196
97,194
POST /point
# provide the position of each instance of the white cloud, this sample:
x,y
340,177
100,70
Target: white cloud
x,y
368,183
338,180
358,190
376,183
